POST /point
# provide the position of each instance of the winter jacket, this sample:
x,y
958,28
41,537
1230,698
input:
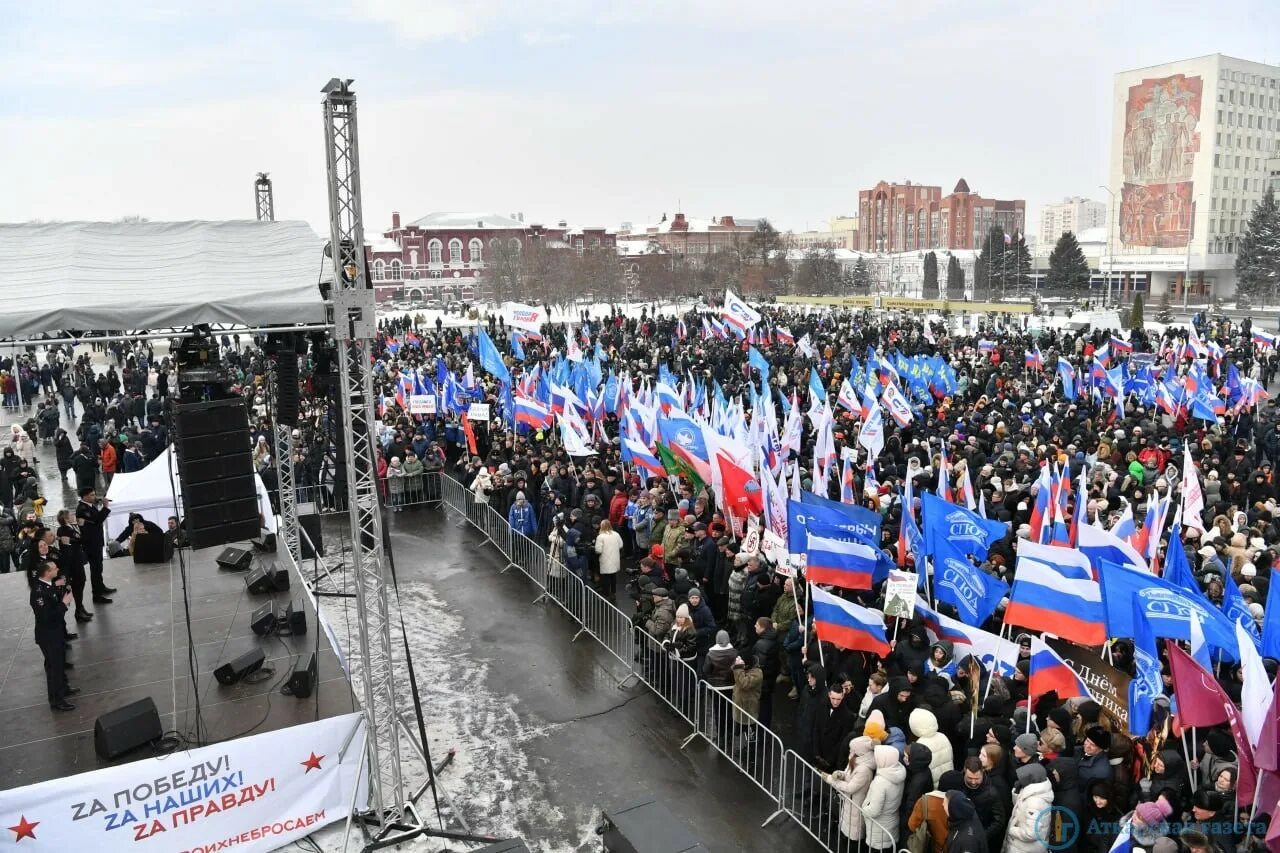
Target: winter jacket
x,y
965,832
832,729
853,784
682,642
1029,819
884,797
747,684
919,782
609,547
924,726
936,814
736,579
993,810
522,518
664,616
717,669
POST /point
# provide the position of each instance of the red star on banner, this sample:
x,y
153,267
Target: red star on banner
x,y
24,829
313,763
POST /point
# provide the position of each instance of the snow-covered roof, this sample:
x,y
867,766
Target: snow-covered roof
x,y
466,221
641,246
158,275
694,225
381,244
1092,235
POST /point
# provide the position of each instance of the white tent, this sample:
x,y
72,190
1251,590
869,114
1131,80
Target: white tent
x,y
150,493
158,275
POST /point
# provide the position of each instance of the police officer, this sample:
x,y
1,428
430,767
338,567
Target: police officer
x,y
49,604
91,512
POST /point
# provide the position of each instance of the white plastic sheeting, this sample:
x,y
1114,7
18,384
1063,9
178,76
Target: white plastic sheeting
x,y
158,275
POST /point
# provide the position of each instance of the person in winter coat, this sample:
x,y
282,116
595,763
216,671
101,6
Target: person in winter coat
x,y
853,783
895,704
609,549
703,622
681,640
988,800
717,666
941,661
1093,764
482,485
924,726
1030,818
1101,820
63,450
1066,795
930,807
832,730
884,797
663,616
965,834
395,483
747,679
1169,779
812,697
522,517
917,760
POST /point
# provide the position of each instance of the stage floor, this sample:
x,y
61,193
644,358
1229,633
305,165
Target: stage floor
x,y
137,646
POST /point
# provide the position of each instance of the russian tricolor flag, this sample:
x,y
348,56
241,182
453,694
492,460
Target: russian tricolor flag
x,y
785,336
1054,591
846,564
1120,346
531,413
1051,673
848,625
641,457
1034,360
1264,339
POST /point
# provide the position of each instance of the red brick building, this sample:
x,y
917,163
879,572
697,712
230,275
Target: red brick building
x,y
442,255
908,217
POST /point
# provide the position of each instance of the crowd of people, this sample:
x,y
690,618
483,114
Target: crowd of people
x,y
905,738
923,748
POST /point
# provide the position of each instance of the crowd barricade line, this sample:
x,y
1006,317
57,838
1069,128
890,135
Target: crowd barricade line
x,y
740,737
796,787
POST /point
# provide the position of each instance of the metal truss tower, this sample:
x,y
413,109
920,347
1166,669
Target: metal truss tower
x,y
264,199
354,328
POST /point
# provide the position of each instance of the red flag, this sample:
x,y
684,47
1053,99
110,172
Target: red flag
x,y
471,435
1268,755
742,493
1202,702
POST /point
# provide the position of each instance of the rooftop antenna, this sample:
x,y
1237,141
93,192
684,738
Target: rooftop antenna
x,y
264,198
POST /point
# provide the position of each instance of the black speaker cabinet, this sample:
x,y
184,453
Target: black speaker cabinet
x,y
315,536
236,669
152,548
281,580
215,467
294,620
647,827
264,619
125,729
303,680
234,559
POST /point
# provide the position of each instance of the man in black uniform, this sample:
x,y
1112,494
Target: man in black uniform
x,y
92,512
49,604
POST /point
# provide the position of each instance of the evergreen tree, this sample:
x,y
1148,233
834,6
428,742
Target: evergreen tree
x,y
930,289
955,280
861,275
1135,314
988,267
1068,269
1258,262
1015,276
1165,314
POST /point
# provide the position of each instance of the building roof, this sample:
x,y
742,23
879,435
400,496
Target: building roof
x,y
463,221
962,186
381,244
1092,235
694,225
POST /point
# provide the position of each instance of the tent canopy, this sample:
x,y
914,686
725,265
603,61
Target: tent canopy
x,y
158,275
150,493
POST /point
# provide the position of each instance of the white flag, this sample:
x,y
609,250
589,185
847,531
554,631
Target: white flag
x,y
1192,496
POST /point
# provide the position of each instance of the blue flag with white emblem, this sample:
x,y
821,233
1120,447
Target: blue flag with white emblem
x,y
956,581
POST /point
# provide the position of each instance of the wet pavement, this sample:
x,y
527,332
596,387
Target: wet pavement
x,y
551,737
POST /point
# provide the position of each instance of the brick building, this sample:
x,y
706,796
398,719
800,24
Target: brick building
x,y
694,238
442,255
909,217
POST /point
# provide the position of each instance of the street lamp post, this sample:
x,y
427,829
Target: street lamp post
x,y
1191,231
1111,214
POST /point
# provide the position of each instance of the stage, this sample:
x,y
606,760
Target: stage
x,y
138,646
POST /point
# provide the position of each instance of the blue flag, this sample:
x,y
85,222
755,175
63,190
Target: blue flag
x,y
965,530
516,349
758,361
1146,685
611,391
815,384
958,582
1169,608
490,359
1235,608
860,523
1271,627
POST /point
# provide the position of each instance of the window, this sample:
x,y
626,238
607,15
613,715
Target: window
x,y
455,251
515,244
475,251
395,270
379,270
413,258
433,251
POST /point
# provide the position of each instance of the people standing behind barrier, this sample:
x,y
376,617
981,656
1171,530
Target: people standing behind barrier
x,y
1030,818
608,548
522,517
852,783
884,797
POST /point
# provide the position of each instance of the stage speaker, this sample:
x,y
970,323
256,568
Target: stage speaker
x,y
294,620
265,619
236,669
287,390
125,729
311,524
261,580
303,680
647,827
215,467
152,548
234,559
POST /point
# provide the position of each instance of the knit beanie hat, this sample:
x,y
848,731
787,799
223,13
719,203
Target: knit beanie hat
x,y
1028,743
875,731
682,610
1153,812
722,638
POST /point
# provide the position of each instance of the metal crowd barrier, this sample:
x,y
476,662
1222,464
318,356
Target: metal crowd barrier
x,y
397,494
795,786
822,810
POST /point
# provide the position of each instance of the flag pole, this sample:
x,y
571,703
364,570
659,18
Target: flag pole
x,y
1191,774
1257,792
809,597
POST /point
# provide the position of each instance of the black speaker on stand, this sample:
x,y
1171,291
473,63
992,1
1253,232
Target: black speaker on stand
x,y
237,668
215,468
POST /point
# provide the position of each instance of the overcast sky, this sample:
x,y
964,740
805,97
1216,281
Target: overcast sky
x,y
573,109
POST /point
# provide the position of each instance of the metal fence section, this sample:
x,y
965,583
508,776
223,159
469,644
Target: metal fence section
x,y
740,737
798,789
396,493
824,811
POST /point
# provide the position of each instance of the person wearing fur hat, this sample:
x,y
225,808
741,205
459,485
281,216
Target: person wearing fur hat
x,y
1093,764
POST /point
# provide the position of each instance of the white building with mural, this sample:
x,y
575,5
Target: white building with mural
x,y
1190,146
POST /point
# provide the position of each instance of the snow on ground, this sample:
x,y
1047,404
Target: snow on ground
x,y
491,776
